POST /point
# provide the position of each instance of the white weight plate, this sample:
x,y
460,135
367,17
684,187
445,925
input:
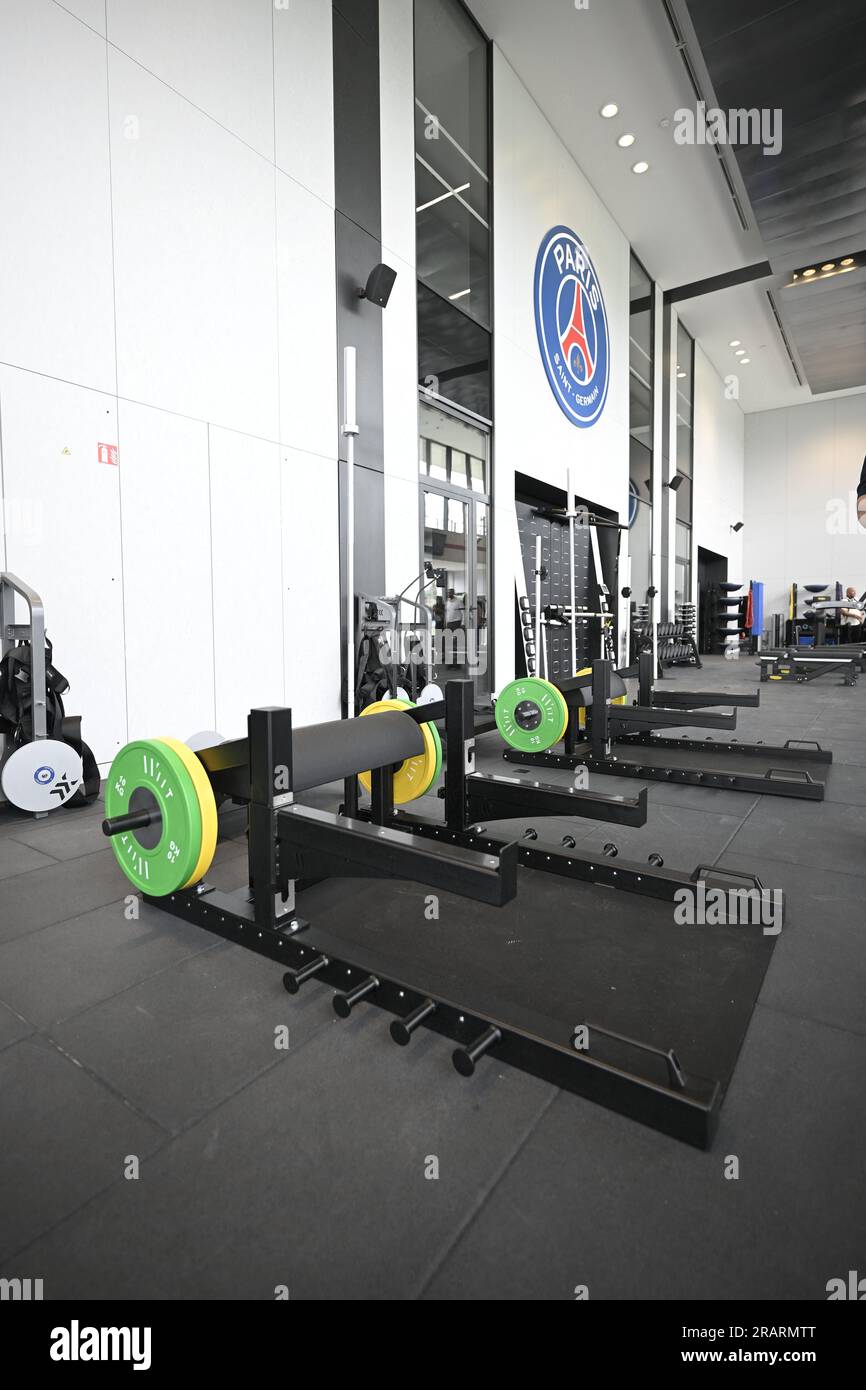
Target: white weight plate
x,y
401,694
206,738
41,775
430,695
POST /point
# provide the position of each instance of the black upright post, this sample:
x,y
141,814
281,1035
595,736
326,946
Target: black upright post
x,y
270,745
459,732
382,795
645,678
599,723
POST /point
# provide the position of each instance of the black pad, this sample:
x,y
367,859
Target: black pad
x,y
329,752
578,689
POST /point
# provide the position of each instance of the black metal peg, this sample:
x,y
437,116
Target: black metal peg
x,y
464,1058
344,1003
401,1029
293,979
135,820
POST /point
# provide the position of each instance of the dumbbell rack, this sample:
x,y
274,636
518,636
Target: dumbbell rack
x,y
290,845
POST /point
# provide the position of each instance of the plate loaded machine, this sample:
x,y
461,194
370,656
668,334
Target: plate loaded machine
x,y
533,720
161,818
803,664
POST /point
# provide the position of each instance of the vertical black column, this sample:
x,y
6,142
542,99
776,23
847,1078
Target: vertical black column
x,y
358,199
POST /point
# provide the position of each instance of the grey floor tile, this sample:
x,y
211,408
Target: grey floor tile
x,y
71,1136
51,974
18,858
593,1200
43,896
818,969
12,1027
181,1041
828,835
312,1177
65,836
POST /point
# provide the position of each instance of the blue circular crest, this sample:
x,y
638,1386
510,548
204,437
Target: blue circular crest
x,y
571,323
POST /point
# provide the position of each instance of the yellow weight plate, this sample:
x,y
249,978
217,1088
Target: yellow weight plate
x,y
207,807
414,775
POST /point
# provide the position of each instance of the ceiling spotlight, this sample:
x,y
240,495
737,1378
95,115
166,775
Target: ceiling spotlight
x,y
625,140
831,265
809,272
744,361
608,110
640,168
735,342
740,352
680,375
849,260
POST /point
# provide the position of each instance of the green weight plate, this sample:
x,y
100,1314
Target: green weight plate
x,y
144,775
438,745
531,715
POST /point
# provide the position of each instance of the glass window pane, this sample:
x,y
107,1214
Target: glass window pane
x,y
451,157
458,468
443,433
438,461
453,354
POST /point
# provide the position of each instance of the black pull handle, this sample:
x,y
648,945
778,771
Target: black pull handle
x,y
401,1029
135,820
344,1003
464,1058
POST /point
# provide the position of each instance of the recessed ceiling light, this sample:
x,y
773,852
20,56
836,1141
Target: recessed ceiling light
x,y
740,352
625,140
680,374
808,272
608,110
735,342
744,361
831,265
640,168
849,260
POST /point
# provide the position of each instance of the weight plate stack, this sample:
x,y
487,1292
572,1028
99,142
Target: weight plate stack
x,y
531,714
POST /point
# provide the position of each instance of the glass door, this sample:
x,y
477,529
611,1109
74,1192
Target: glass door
x,y
455,541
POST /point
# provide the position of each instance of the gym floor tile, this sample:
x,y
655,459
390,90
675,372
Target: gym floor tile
x,y
682,835
51,974
12,1028
179,1042
594,1200
818,969
846,783
19,858
66,1137
312,1177
829,835
64,835
41,897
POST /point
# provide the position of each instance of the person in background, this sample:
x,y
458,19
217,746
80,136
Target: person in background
x,y
851,619
453,611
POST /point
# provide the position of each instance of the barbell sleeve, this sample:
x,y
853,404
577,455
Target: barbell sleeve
x,y
135,820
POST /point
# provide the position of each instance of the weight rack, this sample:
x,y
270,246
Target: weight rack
x,y
292,845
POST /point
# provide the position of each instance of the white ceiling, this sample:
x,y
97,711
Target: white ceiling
x,y
679,216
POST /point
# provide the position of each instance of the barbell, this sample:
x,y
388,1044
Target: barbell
x,y
161,810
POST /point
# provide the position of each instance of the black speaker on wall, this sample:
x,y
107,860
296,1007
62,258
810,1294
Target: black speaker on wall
x,y
380,283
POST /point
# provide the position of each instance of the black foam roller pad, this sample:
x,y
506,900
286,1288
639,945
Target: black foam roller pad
x,y
329,752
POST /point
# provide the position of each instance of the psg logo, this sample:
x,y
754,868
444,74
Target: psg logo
x,y
571,324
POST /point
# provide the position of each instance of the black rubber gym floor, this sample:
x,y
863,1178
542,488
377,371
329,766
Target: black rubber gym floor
x,y
307,1167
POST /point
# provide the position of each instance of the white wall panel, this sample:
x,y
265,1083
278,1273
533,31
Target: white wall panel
x,y
307,320
90,12
537,186
802,469
165,514
194,215
311,585
62,506
56,305
719,467
247,577
304,94
397,120
216,53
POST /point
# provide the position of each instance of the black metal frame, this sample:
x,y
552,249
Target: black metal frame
x,y
289,843
804,667
634,727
